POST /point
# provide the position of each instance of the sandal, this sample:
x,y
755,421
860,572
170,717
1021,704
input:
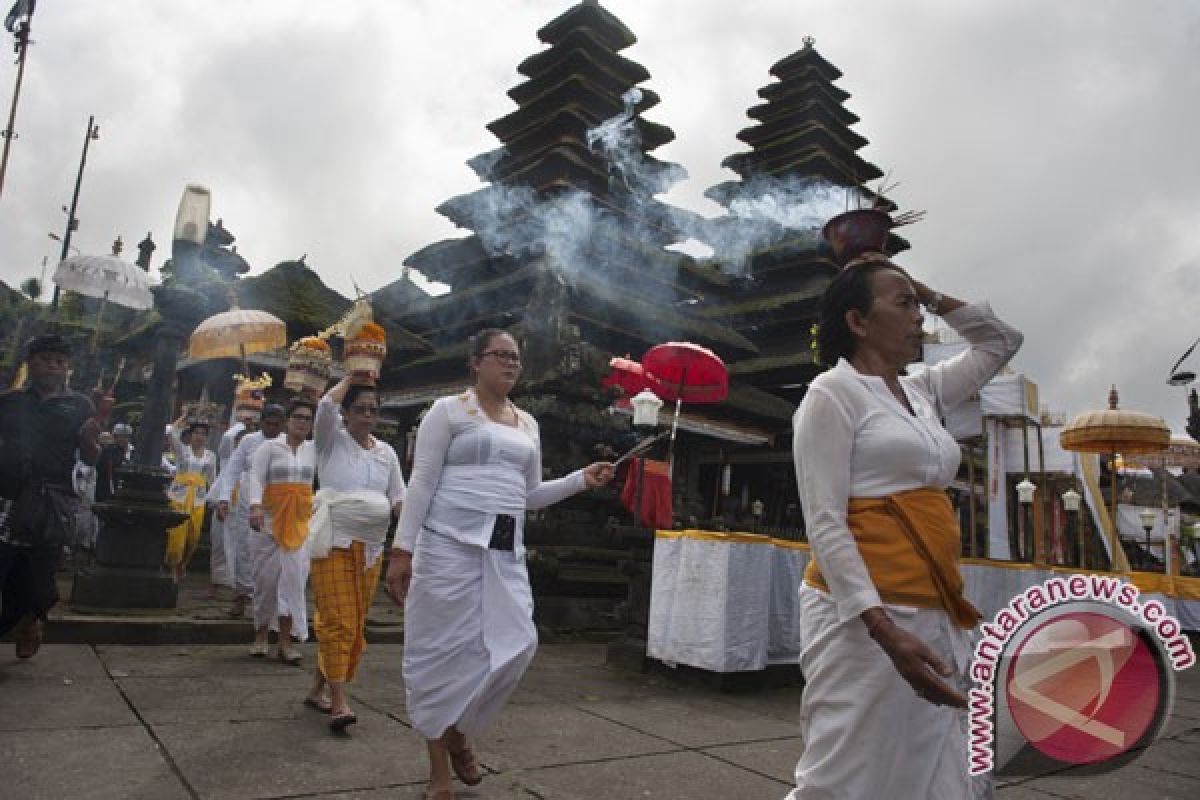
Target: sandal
x,y
290,657
318,704
27,638
439,794
259,649
340,722
466,766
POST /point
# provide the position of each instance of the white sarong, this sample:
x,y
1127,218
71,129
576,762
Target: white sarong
x,y
239,544
468,634
866,732
221,561
279,579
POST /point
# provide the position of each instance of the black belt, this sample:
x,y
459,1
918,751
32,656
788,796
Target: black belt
x,y
504,533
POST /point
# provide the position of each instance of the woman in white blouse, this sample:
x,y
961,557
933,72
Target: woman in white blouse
x,y
279,493
885,625
459,558
361,488
195,471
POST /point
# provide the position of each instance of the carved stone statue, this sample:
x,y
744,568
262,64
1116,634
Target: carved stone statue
x,y
146,248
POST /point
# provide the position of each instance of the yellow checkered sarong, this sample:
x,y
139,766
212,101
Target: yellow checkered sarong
x,y
183,539
343,592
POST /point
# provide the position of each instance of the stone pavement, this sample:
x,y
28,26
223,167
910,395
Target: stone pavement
x,y
198,619
206,721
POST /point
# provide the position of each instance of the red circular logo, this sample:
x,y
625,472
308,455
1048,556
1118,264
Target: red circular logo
x,y
1084,688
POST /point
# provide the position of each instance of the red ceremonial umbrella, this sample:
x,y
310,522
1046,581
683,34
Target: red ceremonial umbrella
x,y
687,372
631,377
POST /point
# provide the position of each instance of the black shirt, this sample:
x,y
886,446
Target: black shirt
x,y
39,437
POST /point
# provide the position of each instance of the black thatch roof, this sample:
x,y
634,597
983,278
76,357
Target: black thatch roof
x,y
1148,489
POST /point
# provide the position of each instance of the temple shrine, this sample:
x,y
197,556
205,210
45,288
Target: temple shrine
x,y
613,288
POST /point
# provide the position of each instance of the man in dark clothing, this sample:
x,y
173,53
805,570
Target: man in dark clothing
x,y
42,427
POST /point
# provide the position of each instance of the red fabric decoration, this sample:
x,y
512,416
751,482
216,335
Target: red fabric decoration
x,y
656,494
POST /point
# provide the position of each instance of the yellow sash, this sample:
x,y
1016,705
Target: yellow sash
x,y
910,542
290,507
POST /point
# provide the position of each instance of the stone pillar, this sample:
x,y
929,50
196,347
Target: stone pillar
x,y
131,547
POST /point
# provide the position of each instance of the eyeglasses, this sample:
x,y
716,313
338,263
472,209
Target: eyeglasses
x,y
365,410
302,417
507,356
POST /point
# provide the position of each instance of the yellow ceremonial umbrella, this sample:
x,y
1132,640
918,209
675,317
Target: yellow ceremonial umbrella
x,y
237,333
1115,430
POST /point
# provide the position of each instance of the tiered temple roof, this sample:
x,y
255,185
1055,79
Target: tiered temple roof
x,y
616,288
802,137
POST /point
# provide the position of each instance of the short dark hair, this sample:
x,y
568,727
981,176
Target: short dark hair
x,y
47,343
195,426
478,344
273,410
354,391
849,290
301,402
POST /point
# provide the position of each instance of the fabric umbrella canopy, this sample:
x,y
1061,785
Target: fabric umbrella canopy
x,y
631,377
237,333
107,277
1114,431
688,372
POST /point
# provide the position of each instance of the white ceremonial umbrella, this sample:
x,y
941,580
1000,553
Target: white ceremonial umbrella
x,y
109,278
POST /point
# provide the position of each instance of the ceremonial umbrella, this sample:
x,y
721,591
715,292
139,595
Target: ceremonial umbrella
x,y
687,372
237,333
631,377
1114,431
109,278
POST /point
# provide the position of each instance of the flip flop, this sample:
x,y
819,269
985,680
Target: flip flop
x,y
28,638
321,704
340,722
466,766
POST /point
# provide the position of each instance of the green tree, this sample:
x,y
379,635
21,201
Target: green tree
x,y
32,288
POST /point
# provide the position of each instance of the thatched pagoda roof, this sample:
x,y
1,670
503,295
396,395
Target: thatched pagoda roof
x,y
806,58
588,16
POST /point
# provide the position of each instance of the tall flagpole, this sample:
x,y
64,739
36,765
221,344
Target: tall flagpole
x,y
9,133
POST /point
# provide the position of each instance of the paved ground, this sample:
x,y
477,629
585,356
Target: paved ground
x,y
164,722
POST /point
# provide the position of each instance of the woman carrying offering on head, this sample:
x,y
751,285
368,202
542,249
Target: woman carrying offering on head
x,y
459,558
279,492
885,624
195,471
361,488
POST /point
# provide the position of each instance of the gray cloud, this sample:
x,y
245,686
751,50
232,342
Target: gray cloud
x,y
1052,143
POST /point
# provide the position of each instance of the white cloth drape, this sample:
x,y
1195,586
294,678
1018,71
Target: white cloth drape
x,y
468,634
915,750
279,580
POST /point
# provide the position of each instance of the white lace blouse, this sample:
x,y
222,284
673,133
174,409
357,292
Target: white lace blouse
x,y
853,438
467,469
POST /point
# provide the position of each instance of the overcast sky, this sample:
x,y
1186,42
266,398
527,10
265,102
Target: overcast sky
x,y
1054,144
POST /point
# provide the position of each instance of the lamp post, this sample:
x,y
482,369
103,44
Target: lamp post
x,y
645,417
20,29
1025,492
93,132
1071,503
1147,518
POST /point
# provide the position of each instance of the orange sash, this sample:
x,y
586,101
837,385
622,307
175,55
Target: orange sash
x,y
910,542
290,507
